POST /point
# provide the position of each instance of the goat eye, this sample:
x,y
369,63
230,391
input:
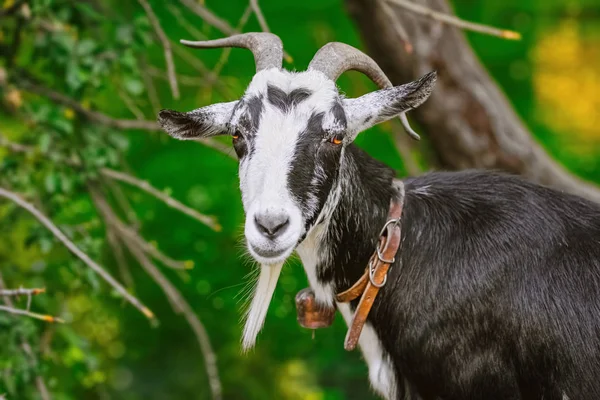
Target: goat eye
x,y
337,139
236,135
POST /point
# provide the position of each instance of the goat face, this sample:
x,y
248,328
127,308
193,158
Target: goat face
x,y
289,131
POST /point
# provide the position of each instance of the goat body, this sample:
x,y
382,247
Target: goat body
x,y
495,292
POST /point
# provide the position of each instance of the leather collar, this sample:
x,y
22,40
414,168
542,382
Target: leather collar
x,y
375,275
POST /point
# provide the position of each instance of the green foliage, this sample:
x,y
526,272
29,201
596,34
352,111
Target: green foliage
x,y
102,56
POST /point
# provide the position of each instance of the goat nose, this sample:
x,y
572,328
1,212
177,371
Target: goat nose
x,y
271,225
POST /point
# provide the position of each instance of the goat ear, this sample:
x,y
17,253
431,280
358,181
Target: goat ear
x,y
382,105
201,123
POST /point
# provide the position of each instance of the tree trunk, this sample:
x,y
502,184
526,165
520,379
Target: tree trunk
x,y
468,119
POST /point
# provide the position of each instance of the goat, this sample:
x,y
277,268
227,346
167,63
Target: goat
x,y
495,290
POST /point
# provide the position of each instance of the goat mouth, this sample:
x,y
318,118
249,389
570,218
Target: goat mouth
x,y
268,255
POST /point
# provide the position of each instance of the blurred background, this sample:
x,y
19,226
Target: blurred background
x,y
80,85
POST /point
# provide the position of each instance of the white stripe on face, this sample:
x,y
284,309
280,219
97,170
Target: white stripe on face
x,y
265,170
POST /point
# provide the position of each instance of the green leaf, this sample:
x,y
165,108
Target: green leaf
x,y
86,47
51,182
44,142
134,86
63,126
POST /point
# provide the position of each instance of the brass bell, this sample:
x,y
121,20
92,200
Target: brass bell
x,y
312,315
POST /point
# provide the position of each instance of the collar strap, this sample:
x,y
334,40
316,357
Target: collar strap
x,y
375,275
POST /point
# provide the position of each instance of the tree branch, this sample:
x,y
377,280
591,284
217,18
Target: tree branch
x,y
210,221
152,251
76,251
21,292
18,311
119,256
168,200
181,306
209,17
227,51
223,25
177,301
92,115
166,44
259,16
470,122
39,381
105,119
452,20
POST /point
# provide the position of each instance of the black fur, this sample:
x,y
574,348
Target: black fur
x,y
248,124
311,151
495,293
408,96
286,101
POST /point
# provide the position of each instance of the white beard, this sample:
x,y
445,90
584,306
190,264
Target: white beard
x,y
255,318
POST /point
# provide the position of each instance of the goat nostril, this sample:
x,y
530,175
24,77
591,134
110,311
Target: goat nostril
x,y
271,225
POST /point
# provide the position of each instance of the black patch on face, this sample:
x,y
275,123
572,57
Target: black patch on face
x,y
255,109
285,101
339,115
313,169
247,125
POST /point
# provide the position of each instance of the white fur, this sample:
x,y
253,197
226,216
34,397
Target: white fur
x,y
381,370
264,175
263,182
312,253
257,312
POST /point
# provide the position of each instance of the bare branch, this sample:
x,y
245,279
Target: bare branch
x,y
479,128
186,80
226,52
455,21
150,89
177,301
98,117
131,106
145,186
39,381
18,311
209,17
76,251
223,25
180,305
152,251
123,202
398,27
21,292
259,16
15,147
183,22
119,256
171,202
93,115
166,44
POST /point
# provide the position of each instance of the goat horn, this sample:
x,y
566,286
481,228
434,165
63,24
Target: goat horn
x,y
266,47
335,58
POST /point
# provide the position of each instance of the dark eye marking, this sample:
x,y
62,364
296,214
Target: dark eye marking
x,y
255,108
339,115
285,101
245,122
314,126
